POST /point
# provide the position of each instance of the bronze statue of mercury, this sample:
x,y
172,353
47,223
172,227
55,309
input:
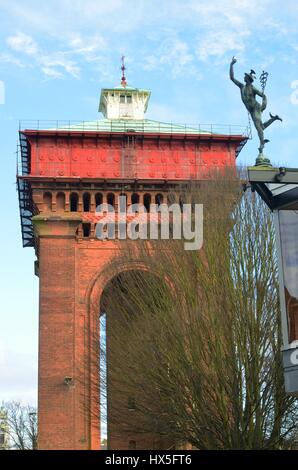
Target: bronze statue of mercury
x,y
249,95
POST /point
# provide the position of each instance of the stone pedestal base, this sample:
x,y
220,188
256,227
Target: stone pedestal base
x,y
262,160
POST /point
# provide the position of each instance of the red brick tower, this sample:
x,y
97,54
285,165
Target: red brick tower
x,y
67,169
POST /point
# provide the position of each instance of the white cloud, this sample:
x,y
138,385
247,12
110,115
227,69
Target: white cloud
x,y
225,26
177,55
217,43
171,53
88,46
170,35
51,73
21,42
8,58
66,16
53,65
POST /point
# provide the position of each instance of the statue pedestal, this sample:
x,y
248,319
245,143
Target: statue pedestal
x,y
262,160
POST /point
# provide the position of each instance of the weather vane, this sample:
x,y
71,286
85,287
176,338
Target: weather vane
x,y
254,108
123,68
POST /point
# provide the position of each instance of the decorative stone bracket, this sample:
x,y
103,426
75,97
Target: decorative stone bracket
x,y
56,226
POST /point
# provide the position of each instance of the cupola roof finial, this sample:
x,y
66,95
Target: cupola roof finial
x,y
123,68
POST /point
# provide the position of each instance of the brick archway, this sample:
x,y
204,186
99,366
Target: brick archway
x,y
93,297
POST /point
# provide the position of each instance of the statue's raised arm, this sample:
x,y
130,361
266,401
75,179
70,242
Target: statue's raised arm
x,y
232,77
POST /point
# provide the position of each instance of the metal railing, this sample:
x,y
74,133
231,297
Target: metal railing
x,y
144,126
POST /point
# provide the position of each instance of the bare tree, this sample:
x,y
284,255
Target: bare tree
x,y
194,340
21,425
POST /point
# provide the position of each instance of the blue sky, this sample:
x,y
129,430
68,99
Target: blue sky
x,y
54,58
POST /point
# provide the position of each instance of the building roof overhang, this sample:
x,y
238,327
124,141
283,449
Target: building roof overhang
x,y
278,187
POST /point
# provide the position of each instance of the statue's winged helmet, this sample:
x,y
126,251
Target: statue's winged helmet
x,y
251,75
